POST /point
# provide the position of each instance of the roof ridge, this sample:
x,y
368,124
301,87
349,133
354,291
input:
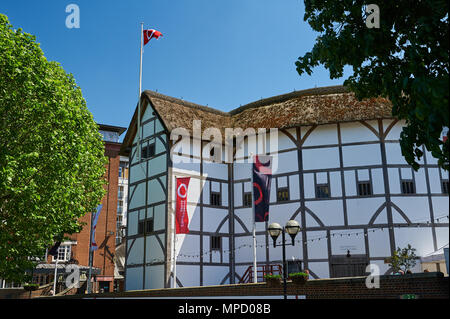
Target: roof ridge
x,y
287,96
154,94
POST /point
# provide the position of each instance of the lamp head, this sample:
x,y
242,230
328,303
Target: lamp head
x,y
292,228
274,231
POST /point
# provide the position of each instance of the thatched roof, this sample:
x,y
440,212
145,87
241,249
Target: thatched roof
x,y
299,108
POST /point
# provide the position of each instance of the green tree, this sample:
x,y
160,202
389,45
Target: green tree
x,y
403,259
51,153
406,60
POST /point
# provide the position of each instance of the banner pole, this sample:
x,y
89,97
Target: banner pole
x,y
174,282
255,270
89,286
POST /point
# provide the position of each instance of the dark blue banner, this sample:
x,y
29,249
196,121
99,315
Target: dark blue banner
x,y
262,176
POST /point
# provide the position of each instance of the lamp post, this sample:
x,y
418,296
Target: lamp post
x,y
292,228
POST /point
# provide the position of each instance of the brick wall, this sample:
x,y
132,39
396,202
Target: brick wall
x,y
424,285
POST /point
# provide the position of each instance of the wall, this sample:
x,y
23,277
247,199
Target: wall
x,y
424,286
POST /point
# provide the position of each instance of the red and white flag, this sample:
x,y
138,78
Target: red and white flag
x,y
182,218
444,134
151,33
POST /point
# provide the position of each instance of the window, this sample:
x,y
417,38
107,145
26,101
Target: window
x,y
408,187
141,228
145,226
364,188
149,225
282,194
119,207
63,253
215,199
323,191
247,199
445,187
148,151
216,243
120,194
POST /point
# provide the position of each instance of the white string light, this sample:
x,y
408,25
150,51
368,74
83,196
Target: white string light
x,y
298,241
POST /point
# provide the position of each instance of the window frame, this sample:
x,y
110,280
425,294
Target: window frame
x,y
213,202
216,243
318,186
279,191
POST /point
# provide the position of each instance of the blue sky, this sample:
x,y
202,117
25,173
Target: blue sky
x,y
217,53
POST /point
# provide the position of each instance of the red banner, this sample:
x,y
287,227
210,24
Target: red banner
x,y
182,218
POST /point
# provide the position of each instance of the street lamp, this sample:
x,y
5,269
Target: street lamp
x,y
292,228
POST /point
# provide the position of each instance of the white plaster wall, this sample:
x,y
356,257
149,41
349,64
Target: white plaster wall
x,y
154,277
154,251
213,275
340,244
419,238
361,155
212,218
352,132
135,255
321,269
330,212
320,158
133,278
188,275
188,248
322,135
379,245
416,208
317,244
361,210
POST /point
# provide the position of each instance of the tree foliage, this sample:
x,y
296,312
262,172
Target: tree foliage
x,y
51,153
403,259
405,60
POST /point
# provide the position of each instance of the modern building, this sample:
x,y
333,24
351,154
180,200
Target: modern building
x,y
339,172
122,200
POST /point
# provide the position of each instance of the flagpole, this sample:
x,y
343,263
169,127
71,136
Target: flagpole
x,y
174,282
255,270
139,103
91,257
55,277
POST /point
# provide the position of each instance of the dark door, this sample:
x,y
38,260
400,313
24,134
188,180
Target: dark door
x,y
353,266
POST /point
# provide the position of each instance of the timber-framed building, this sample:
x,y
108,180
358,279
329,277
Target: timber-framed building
x,y
340,174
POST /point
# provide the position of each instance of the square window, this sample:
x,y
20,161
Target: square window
x,y
63,253
282,194
445,187
141,228
364,188
215,199
408,187
247,199
323,191
148,151
149,225
216,242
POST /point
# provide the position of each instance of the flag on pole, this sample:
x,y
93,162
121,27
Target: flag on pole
x,y
94,226
151,33
262,176
182,218
444,134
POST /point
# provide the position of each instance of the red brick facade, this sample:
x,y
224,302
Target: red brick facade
x,y
106,227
